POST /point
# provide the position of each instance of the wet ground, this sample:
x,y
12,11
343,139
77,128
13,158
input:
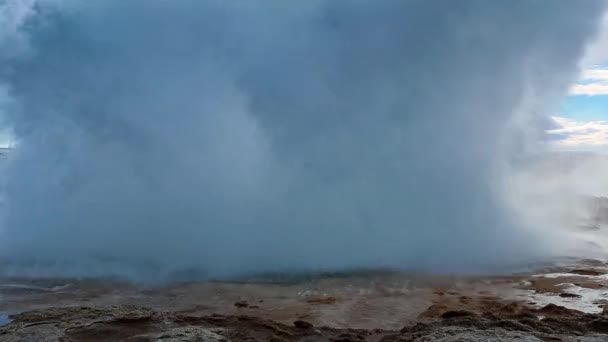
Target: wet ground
x,y
372,300
387,303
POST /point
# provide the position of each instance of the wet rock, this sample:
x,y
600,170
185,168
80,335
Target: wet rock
x,y
552,309
599,325
277,339
322,300
191,333
241,304
301,324
349,337
458,334
494,322
586,272
46,333
457,314
510,309
569,295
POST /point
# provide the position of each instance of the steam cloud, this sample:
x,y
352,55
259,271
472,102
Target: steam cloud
x,y
235,136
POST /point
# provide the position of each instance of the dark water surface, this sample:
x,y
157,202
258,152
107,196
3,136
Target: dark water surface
x,y
4,319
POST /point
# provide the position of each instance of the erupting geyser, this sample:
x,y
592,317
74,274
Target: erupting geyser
x,y
230,137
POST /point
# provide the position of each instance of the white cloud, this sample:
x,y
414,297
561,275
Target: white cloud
x,y
596,75
591,89
576,135
594,82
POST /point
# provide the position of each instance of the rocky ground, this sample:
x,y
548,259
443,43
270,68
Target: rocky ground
x,y
559,303
510,322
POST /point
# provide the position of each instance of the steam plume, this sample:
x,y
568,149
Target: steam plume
x,y
236,136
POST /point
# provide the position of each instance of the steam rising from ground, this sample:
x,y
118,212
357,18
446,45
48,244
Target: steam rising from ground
x,y
235,137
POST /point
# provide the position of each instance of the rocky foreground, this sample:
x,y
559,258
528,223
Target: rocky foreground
x,y
565,303
510,322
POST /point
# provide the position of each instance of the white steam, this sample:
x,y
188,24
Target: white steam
x,y
235,136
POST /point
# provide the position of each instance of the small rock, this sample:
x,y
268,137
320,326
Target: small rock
x,y
241,304
301,324
586,272
558,310
349,337
457,314
569,295
322,300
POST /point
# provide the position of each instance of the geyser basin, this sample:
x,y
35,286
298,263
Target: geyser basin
x,y
232,137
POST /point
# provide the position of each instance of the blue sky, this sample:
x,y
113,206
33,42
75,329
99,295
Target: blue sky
x,y
585,108
582,118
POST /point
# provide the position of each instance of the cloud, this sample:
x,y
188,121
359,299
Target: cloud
x,y
577,135
592,89
593,82
596,75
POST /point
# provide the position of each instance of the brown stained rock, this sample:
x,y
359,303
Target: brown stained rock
x,y
555,285
434,311
510,322
510,309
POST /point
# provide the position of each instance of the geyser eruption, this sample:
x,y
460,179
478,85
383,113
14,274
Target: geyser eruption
x,y
231,137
